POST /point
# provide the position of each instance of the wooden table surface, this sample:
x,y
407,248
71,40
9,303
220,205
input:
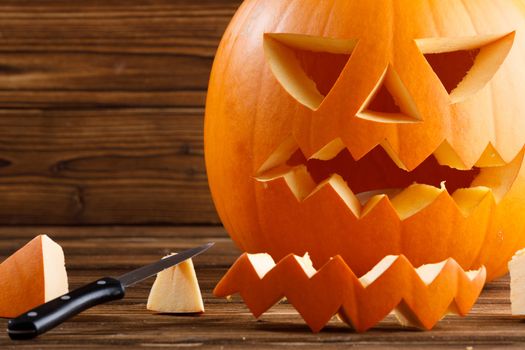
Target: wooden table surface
x,y
101,251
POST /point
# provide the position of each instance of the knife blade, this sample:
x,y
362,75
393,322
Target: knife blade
x,y
47,316
140,274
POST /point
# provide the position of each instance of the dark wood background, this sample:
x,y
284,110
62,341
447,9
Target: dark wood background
x,y
101,110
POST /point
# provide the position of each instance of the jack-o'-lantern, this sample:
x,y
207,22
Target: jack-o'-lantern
x,y
369,128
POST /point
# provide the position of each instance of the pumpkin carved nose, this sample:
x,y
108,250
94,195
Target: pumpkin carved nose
x,y
390,101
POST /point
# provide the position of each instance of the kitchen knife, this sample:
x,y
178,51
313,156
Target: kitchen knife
x,y
49,315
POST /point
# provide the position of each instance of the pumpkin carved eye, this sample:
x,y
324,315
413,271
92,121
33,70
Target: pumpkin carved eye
x,y
307,67
466,65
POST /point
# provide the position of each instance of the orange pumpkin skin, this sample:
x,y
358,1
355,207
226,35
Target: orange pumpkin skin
x,y
250,113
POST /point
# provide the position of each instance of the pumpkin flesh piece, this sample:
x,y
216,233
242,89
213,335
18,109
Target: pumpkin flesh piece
x,y
33,275
176,290
446,280
56,282
517,283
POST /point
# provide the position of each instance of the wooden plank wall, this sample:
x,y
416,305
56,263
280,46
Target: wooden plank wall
x,y
101,110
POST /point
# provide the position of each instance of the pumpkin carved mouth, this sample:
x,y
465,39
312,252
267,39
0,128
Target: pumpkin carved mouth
x,y
365,182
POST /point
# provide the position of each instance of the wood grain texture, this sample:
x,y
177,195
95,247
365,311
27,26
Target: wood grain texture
x,y
229,325
127,165
101,110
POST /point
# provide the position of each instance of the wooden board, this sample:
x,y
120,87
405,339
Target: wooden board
x,y
94,252
101,106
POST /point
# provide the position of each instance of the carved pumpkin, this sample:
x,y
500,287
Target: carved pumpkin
x,y
370,128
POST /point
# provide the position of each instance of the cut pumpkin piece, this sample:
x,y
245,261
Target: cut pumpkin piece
x,y
33,275
517,283
176,290
419,297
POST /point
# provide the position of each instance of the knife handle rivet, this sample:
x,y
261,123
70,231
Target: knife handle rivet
x,y
32,314
101,282
65,297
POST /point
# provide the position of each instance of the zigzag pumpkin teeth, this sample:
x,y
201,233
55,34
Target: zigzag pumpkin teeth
x,y
490,158
300,182
371,276
279,157
339,186
330,151
429,272
362,184
368,198
275,173
405,202
420,297
468,199
262,263
393,155
414,199
372,203
446,155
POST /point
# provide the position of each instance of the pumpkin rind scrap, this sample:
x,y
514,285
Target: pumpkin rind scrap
x,y
176,290
517,283
33,275
317,129
360,302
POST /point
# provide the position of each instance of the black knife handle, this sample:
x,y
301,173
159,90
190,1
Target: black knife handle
x,y
49,315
